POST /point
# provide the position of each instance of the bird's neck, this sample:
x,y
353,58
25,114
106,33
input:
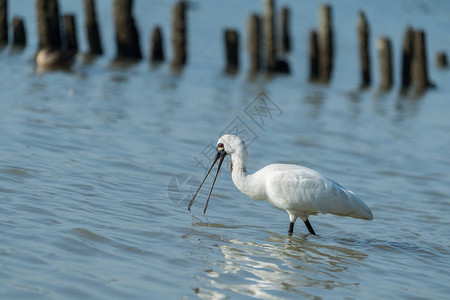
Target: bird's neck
x,y
242,179
238,163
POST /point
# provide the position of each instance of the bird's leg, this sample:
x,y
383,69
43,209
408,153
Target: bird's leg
x,y
292,219
308,225
291,228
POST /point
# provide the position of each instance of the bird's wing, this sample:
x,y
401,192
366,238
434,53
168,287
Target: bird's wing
x,y
296,188
345,202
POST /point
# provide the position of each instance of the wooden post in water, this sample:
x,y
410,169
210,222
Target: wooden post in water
x,y
19,36
93,35
70,33
3,23
269,36
254,43
313,57
326,43
385,58
42,24
48,24
441,60
179,30
364,56
127,37
54,25
407,55
285,32
231,49
156,46
419,66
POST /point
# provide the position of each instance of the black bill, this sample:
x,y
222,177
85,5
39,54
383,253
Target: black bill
x,y
219,156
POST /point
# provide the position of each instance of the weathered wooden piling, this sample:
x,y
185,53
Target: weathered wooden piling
x,y
179,39
231,38
269,36
407,56
156,46
70,33
254,43
19,36
313,57
91,25
54,25
364,56
127,37
285,32
3,23
419,66
326,43
385,58
48,24
441,60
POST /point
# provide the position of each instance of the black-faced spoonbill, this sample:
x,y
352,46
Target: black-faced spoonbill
x,y
299,191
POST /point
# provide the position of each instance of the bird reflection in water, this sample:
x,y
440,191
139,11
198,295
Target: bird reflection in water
x,y
282,266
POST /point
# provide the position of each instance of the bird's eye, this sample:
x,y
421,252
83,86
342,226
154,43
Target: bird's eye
x,y
220,146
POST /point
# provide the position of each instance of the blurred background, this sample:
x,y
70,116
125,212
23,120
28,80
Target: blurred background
x,y
98,161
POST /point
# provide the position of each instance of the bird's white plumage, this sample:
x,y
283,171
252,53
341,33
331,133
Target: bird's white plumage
x,y
298,190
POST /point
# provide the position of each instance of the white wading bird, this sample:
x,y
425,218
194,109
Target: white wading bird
x,y
299,191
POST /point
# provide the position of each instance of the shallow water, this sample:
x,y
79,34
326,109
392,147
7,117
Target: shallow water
x,y
98,164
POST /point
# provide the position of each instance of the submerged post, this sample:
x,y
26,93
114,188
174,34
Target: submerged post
x,y
156,46
179,35
419,66
385,58
19,36
127,37
326,43
71,42
231,49
407,56
364,56
48,24
269,36
93,35
313,57
441,60
42,24
3,23
285,32
54,25
254,43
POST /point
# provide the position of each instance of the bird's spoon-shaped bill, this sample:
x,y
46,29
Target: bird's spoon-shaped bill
x,y
221,155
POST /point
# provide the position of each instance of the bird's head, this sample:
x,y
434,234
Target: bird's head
x,y
231,144
227,144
